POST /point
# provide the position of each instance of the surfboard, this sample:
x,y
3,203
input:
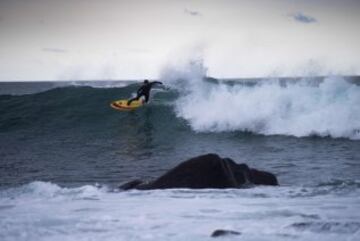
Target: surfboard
x,y
123,106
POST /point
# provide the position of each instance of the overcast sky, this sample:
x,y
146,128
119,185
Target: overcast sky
x,y
135,39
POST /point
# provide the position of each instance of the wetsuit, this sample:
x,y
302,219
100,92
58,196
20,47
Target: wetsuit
x,y
144,90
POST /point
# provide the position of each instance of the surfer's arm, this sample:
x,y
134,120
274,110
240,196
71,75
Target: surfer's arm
x,y
156,82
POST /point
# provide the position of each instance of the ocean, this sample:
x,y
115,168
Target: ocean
x,y
64,152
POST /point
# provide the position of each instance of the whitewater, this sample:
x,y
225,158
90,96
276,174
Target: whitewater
x,y
64,153
45,211
328,106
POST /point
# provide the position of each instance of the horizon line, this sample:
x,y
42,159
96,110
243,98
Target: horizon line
x,y
207,77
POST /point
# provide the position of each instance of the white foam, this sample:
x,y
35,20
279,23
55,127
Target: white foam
x,y
302,108
102,83
45,211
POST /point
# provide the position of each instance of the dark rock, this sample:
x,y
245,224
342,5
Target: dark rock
x,y
263,178
222,232
206,171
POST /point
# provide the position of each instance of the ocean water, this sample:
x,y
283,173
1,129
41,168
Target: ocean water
x,y
64,152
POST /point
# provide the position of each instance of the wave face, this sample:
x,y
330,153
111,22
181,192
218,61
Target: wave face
x,y
328,106
74,104
304,107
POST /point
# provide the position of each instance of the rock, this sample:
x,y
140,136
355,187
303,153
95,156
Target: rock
x,y
131,184
263,178
222,232
206,171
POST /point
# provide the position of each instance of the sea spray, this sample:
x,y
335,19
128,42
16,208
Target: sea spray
x,y
306,107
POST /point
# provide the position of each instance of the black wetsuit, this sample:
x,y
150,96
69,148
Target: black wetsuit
x,y
144,90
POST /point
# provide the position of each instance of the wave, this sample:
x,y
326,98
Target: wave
x,y
50,190
351,227
328,106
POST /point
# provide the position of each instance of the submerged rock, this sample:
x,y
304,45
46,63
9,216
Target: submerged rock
x,y
222,232
206,171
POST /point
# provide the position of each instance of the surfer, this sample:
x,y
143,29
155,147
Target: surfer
x,y
144,90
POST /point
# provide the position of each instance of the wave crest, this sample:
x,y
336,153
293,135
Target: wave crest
x,y
48,190
329,107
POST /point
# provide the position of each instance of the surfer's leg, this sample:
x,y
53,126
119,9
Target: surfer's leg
x,y
146,98
131,100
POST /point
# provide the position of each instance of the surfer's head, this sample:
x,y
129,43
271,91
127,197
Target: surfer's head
x,y
146,81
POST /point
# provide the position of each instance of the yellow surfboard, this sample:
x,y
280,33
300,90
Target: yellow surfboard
x,y
123,106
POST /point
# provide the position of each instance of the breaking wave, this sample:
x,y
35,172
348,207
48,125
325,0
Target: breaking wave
x,y
325,107
328,106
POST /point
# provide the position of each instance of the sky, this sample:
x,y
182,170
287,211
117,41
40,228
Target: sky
x,y
136,39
